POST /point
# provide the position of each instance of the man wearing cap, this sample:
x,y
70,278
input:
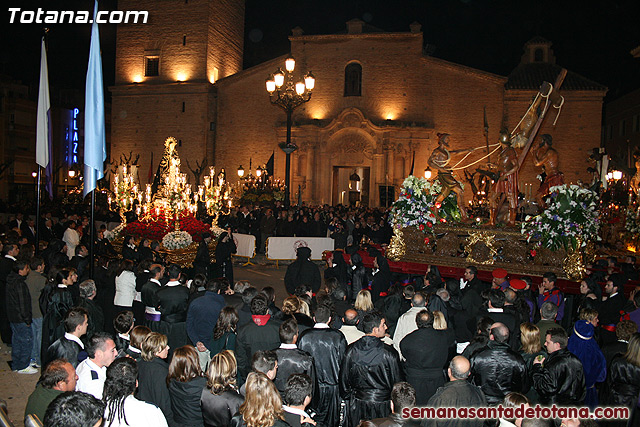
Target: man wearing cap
x,y
499,279
548,292
612,305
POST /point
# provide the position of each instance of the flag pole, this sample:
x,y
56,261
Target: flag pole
x,y
37,245
92,237
94,128
43,130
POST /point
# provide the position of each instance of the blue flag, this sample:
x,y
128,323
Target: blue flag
x,y
95,150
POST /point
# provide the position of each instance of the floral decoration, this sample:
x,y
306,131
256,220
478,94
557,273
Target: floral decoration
x,y
158,224
177,240
416,205
631,224
571,218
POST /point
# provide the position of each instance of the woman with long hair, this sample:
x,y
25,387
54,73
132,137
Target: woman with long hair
x,y
137,335
186,382
293,307
225,331
153,371
262,406
381,277
440,324
220,401
480,339
357,277
590,296
123,409
531,348
622,386
363,302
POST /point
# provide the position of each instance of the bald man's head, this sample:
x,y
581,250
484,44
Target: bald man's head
x,y
499,332
459,368
350,317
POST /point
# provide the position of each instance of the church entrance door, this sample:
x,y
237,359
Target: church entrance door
x,y
350,185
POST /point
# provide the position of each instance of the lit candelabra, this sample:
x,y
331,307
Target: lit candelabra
x,y
215,194
175,195
125,194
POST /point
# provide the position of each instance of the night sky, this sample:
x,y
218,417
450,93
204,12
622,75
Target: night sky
x,y
592,38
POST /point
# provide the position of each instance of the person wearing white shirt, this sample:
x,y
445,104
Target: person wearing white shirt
x,y
92,372
125,286
123,409
349,326
407,322
71,238
298,396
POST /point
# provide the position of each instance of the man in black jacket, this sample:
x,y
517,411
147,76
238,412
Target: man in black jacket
x,y
424,368
173,301
458,392
262,333
369,370
327,346
10,251
149,297
88,292
291,360
609,312
496,311
559,378
80,261
403,395
18,303
70,347
297,396
498,370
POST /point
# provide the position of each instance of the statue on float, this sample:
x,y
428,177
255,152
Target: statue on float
x,y
169,154
546,156
505,184
439,160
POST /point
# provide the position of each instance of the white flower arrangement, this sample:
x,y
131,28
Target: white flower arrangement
x,y
571,215
631,224
177,240
115,233
416,204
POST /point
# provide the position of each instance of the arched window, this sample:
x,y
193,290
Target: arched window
x,y
353,80
538,55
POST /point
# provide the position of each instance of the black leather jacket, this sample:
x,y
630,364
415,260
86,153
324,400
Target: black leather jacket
x,y
217,410
560,380
498,370
623,383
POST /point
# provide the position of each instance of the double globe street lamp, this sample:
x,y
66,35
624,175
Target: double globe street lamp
x,y
288,93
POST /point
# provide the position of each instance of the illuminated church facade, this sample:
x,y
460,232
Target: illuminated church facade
x,y
378,102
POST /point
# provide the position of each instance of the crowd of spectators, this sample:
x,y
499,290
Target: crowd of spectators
x,y
145,342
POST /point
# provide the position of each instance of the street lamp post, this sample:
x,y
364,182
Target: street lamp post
x,y
288,94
